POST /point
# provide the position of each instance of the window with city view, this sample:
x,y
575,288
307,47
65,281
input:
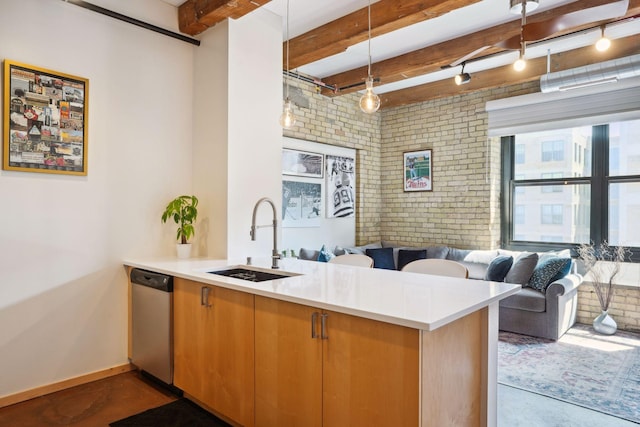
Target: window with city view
x,y
572,186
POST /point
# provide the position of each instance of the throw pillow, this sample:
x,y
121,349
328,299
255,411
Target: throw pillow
x,y
325,255
309,254
498,268
563,272
405,256
545,271
522,269
382,258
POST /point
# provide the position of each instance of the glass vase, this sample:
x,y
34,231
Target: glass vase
x,y
604,324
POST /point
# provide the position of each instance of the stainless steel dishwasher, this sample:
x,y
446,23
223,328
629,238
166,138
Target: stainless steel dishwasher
x,y
152,323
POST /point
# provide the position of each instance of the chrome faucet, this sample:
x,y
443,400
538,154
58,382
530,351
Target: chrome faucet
x,y
275,256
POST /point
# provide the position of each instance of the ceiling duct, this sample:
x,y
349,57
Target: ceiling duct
x,y
591,75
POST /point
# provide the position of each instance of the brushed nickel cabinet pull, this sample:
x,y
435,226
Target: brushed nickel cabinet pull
x,y
323,332
204,296
314,317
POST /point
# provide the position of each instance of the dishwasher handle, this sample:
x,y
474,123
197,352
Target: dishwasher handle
x,y
151,279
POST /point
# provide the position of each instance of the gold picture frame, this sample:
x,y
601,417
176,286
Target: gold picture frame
x,y
45,120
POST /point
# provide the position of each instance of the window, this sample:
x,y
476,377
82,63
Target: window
x,y
591,194
551,214
553,151
519,154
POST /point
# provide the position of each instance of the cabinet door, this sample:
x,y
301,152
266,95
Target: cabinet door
x,y
371,373
214,348
288,365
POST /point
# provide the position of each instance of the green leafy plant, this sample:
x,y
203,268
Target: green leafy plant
x,y
184,212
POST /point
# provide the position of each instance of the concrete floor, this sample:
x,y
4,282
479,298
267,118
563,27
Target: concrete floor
x,y
519,408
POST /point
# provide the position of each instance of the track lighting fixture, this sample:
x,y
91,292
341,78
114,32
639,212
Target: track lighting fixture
x,y
287,119
520,63
603,43
516,6
463,77
370,102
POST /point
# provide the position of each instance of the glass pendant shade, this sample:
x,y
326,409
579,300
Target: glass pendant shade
x,y
370,102
287,119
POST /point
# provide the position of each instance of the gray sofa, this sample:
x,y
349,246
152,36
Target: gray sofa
x,y
547,313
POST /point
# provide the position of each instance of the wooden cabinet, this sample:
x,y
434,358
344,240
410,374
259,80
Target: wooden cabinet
x,y
322,368
214,348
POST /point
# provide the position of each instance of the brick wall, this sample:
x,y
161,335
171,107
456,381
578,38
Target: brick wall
x,y
624,307
339,121
463,210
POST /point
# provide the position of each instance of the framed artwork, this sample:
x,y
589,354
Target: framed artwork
x,y
301,203
301,163
45,120
417,170
339,185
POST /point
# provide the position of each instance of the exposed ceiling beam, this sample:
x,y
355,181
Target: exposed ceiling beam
x,y
195,16
433,58
386,16
506,76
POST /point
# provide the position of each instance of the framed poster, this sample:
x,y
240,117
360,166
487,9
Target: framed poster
x,y
301,203
417,170
45,120
340,184
301,163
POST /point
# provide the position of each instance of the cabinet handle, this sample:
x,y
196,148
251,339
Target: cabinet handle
x,y
323,322
204,296
314,317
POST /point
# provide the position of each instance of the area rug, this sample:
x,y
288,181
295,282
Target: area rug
x,y
179,413
583,368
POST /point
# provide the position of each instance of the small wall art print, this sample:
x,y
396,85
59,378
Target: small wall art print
x,y
301,163
45,120
417,171
340,184
301,203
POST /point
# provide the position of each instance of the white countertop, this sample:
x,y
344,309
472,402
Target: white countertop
x,y
414,300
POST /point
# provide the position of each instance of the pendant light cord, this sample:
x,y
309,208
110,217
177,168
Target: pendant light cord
x,y
287,29
369,20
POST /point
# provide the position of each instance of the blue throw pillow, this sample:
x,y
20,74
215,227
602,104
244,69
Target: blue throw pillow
x,y
405,256
325,255
566,270
545,271
382,258
498,268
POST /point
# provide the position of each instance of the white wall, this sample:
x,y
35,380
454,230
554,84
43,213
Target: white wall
x,y
238,140
62,238
331,232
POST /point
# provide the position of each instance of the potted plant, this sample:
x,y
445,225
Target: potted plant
x,y
184,211
602,263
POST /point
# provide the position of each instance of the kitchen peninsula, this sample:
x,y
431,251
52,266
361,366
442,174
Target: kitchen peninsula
x,y
334,345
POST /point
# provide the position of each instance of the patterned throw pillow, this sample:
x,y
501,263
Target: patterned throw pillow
x,y
498,268
545,271
325,255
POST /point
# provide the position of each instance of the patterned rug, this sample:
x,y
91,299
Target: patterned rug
x,y
583,368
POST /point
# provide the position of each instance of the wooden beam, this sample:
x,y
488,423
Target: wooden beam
x,y
195,16
433,58
386,16
506,76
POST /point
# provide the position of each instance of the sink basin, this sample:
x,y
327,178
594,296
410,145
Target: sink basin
x,y
250,274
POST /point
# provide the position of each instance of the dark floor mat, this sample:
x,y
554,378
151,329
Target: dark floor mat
x,y
180,413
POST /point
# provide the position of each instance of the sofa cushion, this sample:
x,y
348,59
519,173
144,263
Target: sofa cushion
x,y
546,270
308,254
382,258
476,270
498,268
362,249
325,254
405,256
527,299
439,252
522,268
455,254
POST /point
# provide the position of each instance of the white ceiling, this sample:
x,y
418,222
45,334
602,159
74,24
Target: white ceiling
x,y
305,15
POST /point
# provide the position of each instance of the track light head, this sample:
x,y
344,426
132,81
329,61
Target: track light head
x,y
462,78
603,43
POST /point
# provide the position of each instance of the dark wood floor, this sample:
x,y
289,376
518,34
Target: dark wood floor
x,y
95,404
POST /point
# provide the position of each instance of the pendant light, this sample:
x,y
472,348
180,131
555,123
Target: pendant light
x,y
370,102
521,63
287,119
603,43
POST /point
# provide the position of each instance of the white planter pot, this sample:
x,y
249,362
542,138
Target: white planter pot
x,y
184,250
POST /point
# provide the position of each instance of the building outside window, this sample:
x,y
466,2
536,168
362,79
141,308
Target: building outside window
x,y
553,151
